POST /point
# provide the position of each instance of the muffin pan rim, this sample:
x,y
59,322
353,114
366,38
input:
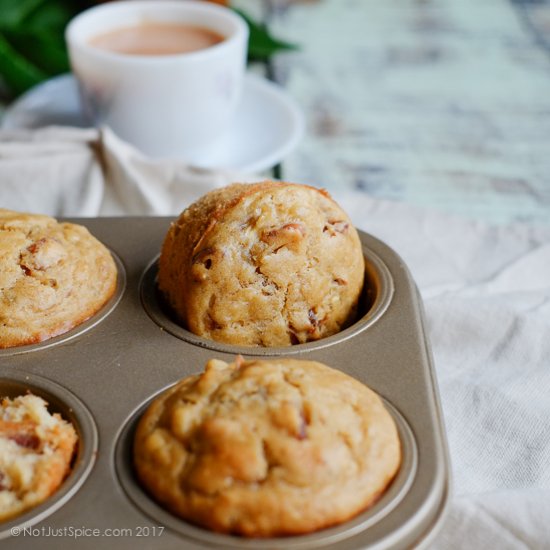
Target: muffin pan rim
x,y
389,499
89,324
373,263
88,443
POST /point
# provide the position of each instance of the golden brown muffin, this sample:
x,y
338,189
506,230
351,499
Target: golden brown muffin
x,y
36,449
267,448
268,264
53,276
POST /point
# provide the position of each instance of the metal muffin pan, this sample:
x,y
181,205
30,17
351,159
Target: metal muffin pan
x,y
126,357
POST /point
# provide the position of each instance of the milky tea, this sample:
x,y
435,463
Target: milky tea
x,y
155,38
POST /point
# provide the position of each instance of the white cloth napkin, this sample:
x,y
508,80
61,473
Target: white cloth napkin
x,y
486,292
65,171
487,298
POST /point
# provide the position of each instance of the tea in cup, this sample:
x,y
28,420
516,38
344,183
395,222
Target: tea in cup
x,y
164,75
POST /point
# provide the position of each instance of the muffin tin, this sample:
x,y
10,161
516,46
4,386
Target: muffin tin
x,y
103,374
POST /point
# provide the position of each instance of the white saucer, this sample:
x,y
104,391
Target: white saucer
x,y
267,126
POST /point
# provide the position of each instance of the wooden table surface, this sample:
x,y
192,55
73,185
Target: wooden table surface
x,y
444,104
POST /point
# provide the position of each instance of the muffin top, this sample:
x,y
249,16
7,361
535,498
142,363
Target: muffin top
x,y
53,276
268,264
267,447
36,449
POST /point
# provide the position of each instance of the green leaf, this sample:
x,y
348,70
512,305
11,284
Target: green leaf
x,y
44,49
52,16
17,73
32,44
261,44
15,11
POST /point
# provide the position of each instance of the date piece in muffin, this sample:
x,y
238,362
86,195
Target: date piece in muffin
x,y
36,450
53,276
268,264
267,447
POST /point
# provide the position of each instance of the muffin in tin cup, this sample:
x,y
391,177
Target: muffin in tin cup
x,y
48,446
268,264
267,448
54,277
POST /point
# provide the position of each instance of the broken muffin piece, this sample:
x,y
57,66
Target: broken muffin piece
x,y
36,451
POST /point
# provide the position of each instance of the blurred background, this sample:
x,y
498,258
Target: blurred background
x,y
438,103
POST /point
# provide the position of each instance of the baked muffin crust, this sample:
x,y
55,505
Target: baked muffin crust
x,y
270,264
53,276
267,448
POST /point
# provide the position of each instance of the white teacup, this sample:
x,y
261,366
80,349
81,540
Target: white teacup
x,y
166,105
